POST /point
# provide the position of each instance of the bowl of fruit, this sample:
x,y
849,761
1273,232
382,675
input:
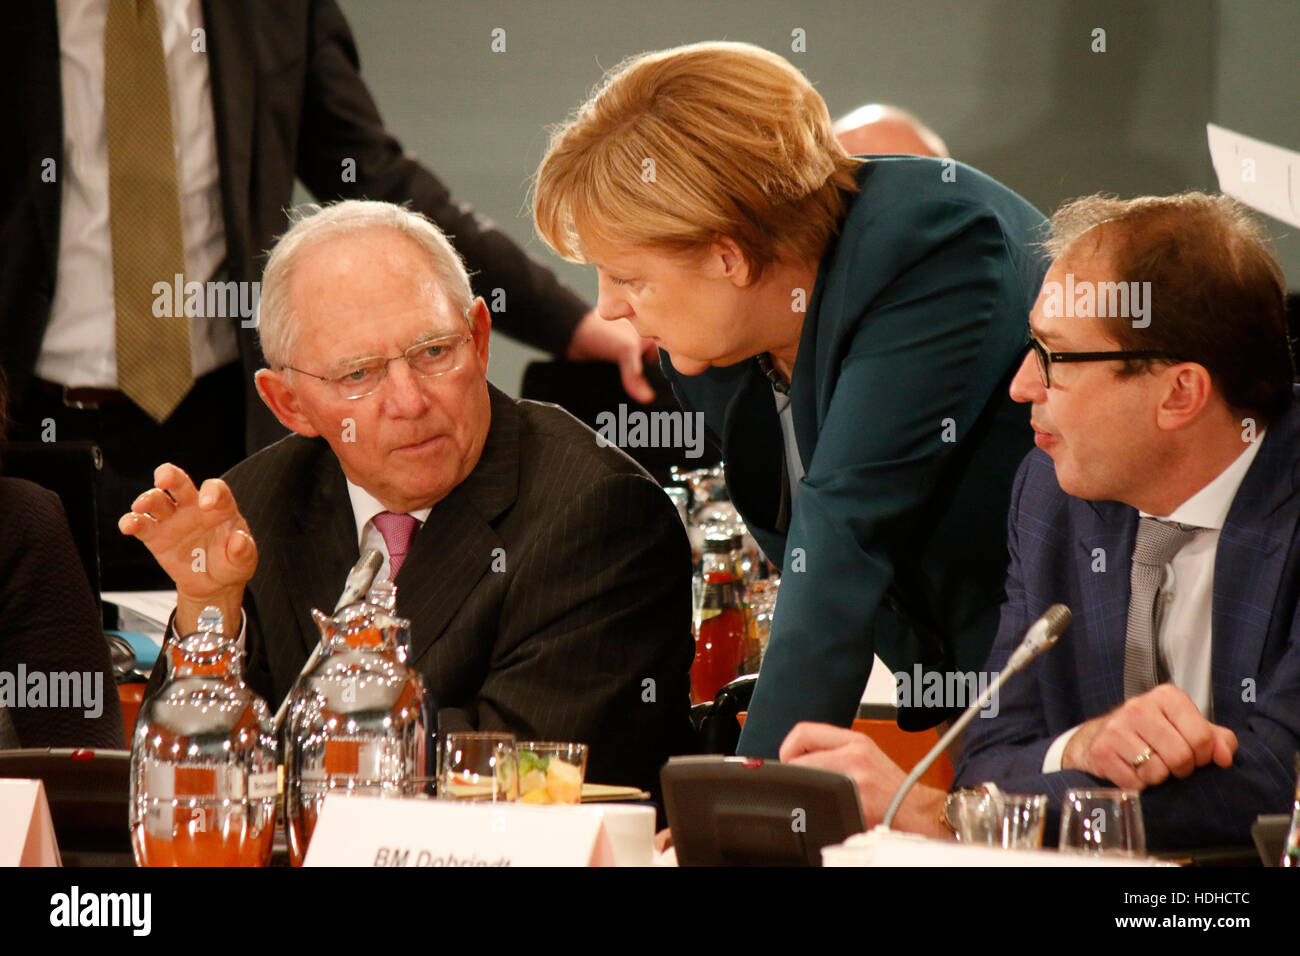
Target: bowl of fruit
x,y
551,772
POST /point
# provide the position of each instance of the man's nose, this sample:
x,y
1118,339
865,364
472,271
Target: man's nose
x,y
403,392
1027,386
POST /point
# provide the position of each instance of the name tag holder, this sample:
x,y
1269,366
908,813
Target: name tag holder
x,y
26,828
382,832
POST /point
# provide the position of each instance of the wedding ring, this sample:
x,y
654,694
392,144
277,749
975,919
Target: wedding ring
x,y
1142,758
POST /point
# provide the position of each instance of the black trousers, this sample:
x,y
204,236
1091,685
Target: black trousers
x,y
204,436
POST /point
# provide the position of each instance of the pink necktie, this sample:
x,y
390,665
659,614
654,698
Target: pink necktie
x,y
397,531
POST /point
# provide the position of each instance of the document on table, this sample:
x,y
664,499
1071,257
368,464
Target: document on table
x,y
146,612
1263,176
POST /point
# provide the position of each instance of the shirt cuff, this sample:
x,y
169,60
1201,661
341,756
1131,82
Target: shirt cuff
x,y
1052,760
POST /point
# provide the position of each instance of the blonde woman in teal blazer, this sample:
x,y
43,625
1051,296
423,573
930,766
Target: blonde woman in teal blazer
x,y
848,329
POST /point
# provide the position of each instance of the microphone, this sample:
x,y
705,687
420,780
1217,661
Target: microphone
x,y
360,578
1041,635
354,589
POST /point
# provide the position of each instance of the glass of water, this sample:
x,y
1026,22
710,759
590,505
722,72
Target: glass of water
x,y
1013,821
478,766
1103,821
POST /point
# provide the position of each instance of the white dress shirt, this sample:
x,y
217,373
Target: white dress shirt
x,y
1184,640
80,345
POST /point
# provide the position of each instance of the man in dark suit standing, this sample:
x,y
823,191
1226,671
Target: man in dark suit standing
x,y
1163,508
158,141
547,578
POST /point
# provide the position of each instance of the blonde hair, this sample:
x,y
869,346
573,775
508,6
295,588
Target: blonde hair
x,y
678,147
313,224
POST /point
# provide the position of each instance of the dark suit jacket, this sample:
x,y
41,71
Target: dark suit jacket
x,y
1255,660
288,101
49,621
907,437
584,636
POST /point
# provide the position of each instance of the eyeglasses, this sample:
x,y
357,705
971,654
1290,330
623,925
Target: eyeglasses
x,y
428,359
1046,358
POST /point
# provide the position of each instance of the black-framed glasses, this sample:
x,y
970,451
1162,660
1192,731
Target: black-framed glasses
x,y
1046,357
428,358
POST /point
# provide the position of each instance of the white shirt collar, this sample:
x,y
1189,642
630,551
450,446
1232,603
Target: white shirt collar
x,y
365,506
1209,507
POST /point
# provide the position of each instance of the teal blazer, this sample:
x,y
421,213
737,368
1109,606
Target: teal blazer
x,y
895,540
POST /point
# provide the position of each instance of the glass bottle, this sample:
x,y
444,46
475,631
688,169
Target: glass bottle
x,y
357,721
203,777
1291,851
719,623
762,606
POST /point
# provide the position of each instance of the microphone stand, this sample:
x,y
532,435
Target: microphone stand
x,y
358,582
1042,635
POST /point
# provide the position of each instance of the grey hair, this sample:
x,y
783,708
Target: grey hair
x,y
312,224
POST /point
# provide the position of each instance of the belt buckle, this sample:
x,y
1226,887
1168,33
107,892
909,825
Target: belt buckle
x,y
73,403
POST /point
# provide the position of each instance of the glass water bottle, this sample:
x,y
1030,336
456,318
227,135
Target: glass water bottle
x,y
203,777
357,721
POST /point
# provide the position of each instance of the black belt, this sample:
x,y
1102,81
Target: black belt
x,y
83,398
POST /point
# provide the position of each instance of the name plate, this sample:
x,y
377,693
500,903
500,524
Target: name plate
x,y
26,830
378,831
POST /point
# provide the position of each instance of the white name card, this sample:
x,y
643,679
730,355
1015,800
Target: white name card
x,y
881,847
26,830
375,831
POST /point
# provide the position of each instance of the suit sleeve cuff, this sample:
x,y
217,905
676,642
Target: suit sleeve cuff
x,y
1052,759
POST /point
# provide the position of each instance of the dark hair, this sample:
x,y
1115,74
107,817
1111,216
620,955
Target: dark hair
x,y
1218,297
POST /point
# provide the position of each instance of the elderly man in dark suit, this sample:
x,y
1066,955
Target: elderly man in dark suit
x,y
1163,507
547,577
249,96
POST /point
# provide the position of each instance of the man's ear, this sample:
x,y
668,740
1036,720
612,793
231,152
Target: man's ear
x,y
480,320
282,400
1186,391
727,261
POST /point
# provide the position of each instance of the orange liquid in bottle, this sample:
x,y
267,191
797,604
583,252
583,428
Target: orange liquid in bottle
x,y
719,646
198,841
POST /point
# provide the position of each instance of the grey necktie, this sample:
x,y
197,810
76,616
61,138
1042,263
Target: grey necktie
x,y
1157,542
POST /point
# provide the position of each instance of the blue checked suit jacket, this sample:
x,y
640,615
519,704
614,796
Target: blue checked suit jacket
x,y
1055,542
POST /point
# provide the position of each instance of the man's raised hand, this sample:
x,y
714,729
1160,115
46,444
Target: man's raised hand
x,y
199,538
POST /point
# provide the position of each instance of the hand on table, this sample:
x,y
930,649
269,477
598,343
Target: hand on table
x,y
199,538
1147,738
595,339
877,778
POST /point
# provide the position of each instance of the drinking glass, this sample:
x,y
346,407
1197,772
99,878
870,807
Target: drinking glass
x,y
1013,821
1103,821
478,766
551,772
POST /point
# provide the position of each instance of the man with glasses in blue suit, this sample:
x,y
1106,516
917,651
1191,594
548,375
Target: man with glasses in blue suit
x,y
1162,506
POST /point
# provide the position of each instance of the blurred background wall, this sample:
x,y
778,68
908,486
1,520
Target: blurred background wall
x,y
1013,86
